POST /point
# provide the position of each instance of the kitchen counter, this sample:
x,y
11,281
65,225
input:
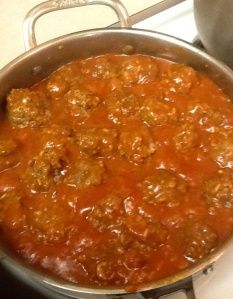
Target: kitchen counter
x,y
54,24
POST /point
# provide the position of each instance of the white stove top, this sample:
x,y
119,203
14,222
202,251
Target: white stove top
x,y
179,21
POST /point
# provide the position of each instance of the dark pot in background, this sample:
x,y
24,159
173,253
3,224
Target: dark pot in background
x,y
214,20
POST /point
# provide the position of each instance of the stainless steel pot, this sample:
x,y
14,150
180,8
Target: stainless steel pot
x,y
214,20
40,61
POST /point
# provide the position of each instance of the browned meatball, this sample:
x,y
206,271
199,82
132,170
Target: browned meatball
x,y
145,231
49,221
199,240
163,187
133,230
45,170
121,105
135,70
85,173
218,190
141,236
154,112
221,147
136,146
134,260
27,108
179,78
8,158
105,270
60,81
100,67
57,86
185,137
80,103
108,213
9,201
104,256
100,142
204,115
55,136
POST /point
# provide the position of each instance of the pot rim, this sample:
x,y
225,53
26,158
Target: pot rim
x,y
60,285
111,30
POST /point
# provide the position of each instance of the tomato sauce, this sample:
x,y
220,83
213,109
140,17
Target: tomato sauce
x,y
116,170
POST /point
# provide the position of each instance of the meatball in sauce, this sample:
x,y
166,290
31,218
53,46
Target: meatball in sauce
x,y
116,170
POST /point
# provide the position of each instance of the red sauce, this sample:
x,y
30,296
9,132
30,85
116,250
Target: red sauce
x,y
116,170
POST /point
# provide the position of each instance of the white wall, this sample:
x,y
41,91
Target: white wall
x,y
12,13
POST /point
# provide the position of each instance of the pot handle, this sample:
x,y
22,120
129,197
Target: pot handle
x,y
53,5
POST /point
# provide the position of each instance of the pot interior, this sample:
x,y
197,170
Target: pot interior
x,y
38,63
